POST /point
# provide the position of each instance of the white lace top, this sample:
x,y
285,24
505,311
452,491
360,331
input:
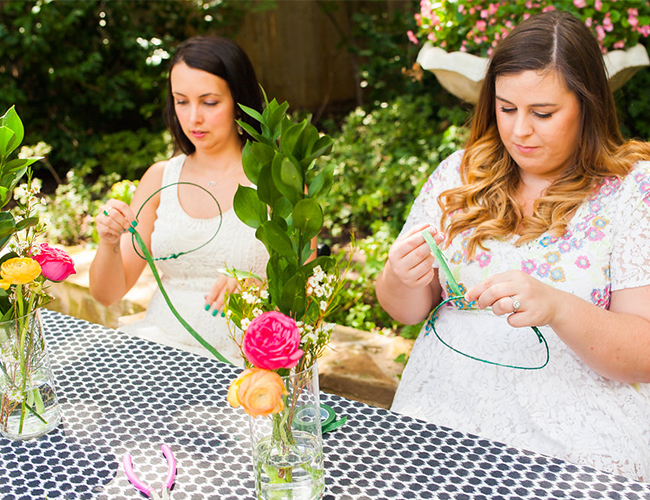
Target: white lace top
x,y
188,278
565,409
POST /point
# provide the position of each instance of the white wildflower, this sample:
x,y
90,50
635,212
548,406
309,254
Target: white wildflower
x,y
248,297
257,311
323,305
244,323
264,294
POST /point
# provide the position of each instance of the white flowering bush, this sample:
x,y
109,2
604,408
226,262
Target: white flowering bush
x,y
476,26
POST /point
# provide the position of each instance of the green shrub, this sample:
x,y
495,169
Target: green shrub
x,y
382,158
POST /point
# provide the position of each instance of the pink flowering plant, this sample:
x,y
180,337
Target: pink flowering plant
x,y
476,26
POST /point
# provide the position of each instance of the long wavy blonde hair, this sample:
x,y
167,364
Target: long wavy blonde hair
x,y
552,41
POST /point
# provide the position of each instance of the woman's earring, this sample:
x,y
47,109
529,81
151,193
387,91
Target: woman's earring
x,y
240,131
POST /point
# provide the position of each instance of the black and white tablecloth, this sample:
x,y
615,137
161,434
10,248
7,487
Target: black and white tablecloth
x,y
121,394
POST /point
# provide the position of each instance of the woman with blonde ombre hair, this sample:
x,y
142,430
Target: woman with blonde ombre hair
x,y
544,219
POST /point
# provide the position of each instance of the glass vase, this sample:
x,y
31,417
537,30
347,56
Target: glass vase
x,y
29,407
288,446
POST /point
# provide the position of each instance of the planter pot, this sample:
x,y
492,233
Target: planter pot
x,y
288,447
29,406
462,74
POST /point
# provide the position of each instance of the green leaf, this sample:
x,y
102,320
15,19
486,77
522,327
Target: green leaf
x,y
293,296
252,113
25,223
7,224
251,131
282,208
266,189
323,146
12,121
275,240
290,137
305,142
20,163
250,210
276,117
254,156
308,217
287,178
322,183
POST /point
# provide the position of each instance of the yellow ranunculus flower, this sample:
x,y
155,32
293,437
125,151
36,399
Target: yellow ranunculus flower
x,y
258,391
18,271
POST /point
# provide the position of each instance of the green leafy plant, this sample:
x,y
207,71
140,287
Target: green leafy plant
x,y
12,133
285,211
476,26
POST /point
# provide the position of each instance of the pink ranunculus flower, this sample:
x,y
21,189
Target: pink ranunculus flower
x,y
56,264
581,4
272,341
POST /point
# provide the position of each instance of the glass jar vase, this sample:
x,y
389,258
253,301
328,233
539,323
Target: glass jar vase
x,y
288,446
29,407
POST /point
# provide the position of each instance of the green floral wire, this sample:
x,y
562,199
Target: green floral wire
x,y
535,329
177,255
146,255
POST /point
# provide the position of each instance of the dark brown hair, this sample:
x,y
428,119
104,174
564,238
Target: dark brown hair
x,y
551,41
224,58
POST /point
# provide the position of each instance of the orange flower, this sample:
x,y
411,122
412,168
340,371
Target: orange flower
x,y
258,391
18,271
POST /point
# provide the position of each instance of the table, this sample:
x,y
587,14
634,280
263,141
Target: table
x,y
123,394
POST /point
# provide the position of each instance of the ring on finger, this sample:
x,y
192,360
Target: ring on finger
x,y
515,304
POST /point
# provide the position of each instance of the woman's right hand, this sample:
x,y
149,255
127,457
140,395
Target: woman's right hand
x,y
410,257
113,220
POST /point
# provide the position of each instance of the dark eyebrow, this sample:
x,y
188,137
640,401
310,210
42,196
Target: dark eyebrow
x,y
202,95
538,105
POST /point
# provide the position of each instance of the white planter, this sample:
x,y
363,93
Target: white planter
x,y
462,74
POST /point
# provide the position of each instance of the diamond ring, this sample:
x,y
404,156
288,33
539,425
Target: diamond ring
x,y
515,304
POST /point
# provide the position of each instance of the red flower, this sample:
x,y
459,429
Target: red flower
x,y
56,265
272,341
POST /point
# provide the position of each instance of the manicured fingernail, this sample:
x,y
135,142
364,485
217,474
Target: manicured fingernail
x,y
207,307
223,314
215,312
134,223
132,230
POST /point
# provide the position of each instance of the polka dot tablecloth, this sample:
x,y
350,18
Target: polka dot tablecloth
x,y
122,394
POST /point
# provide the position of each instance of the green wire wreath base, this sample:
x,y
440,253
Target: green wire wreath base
x,y
535,329
177,255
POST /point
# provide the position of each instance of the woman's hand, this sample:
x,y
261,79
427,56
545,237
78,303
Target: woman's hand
x,y
528,301
216,297
410,258
113,220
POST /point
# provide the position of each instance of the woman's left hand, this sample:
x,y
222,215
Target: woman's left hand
x,y
216,297
526,300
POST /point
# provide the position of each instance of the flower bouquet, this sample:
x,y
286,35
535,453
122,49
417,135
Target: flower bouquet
x,y
29,406
283,318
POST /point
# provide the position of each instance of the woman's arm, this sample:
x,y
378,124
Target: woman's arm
x,y
116,266
408,286
614,343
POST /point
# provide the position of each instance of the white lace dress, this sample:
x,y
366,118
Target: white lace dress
x,y
188,278
565,409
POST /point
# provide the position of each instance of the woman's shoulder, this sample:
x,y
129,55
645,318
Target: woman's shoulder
x,y
447,172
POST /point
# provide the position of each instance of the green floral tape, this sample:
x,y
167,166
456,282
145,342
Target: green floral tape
x,y
442,262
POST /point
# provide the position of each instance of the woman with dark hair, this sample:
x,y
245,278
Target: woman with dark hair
x,y
544,218
175,204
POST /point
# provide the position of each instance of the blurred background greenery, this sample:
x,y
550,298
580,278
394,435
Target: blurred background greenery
x,y
88,80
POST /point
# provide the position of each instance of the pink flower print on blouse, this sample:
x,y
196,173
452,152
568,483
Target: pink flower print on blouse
x,y
582,262
557,274
428,186
528,266
594,234
565,246
543,270
595,207
581,226
483,258
568,234
601,299
577,243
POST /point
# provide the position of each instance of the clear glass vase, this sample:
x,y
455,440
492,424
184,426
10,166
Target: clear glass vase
x,y
288,446
29,407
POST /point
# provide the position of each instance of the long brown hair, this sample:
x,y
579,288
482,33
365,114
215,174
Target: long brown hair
x,y
551,41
